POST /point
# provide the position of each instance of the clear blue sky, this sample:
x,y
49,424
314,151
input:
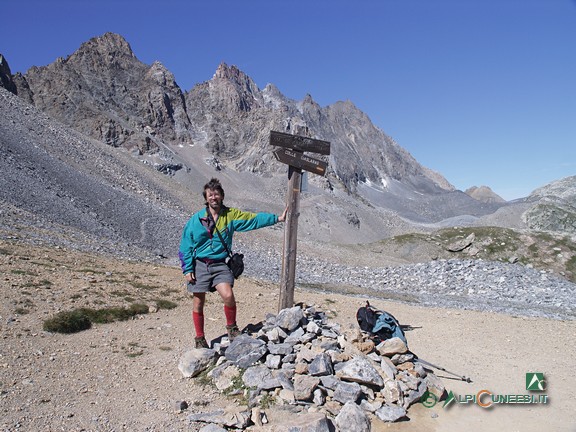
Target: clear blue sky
x,y
482,91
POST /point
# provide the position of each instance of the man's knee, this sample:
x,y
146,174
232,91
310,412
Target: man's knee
x,y
198,303
229,299
227,295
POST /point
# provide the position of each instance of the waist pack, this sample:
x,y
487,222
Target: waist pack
x,y
236,264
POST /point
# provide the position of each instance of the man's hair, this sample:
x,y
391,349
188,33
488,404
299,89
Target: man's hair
x,y
213,184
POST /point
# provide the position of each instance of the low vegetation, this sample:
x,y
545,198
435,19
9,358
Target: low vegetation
x,y
83,318
88,289
542,250
68,322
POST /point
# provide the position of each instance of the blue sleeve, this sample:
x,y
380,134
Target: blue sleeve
x,y
246,221
187,252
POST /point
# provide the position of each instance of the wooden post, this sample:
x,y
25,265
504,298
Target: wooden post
x,y
290,151
288,277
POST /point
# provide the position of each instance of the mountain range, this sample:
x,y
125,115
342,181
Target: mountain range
x,y
114,149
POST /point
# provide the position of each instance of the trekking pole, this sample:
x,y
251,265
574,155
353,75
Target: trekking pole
x,y
462,377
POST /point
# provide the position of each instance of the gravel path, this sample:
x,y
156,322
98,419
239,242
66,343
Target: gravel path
x,y
479,285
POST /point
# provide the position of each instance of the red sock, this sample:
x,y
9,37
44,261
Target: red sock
x,y
198,319
230,313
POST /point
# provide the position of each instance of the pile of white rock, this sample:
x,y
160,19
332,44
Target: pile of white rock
x,y
335,379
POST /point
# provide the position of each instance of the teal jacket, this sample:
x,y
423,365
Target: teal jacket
x,y
198,242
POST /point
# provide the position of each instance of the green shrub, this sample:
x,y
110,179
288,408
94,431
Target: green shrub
x,y
83,318
138,309
165,304
68,322
143,286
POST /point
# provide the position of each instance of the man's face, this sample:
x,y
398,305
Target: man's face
x,y
214,198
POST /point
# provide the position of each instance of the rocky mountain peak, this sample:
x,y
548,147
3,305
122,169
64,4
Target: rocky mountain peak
x,y
108,47
6,76
233,89
308,100
105,92
159,74
108,55
234,84
564,189
554,208
484,194
273,97
308,103
223,71
236,77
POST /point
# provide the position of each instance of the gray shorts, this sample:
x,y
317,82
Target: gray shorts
x,y
210,275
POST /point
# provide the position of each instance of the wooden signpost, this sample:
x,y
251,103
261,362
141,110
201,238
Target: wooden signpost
x,y
300,160
292,153
299,143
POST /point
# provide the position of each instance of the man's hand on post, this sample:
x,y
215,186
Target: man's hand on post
x,y
282,217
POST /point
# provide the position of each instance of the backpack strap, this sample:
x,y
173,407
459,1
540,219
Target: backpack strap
x,y
218,232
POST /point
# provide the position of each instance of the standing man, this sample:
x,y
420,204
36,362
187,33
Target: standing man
x,y
203,256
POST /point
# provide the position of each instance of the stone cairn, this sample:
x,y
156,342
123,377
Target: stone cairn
x,y
297,360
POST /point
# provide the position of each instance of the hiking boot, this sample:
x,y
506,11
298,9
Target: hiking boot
x,y
200,342
233,332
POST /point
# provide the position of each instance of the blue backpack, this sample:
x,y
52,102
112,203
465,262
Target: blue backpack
x,y
379,324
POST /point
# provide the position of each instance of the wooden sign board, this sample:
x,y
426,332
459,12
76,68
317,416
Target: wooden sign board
x,y
299,143
300,160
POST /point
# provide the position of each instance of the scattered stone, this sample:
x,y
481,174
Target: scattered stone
x,y
435,386
415,395
212,428
280,348
365,347
245,350
289,319
180,406
307,422
273,361
353,418
287,396
227,418
195,361
256,416
360,370
390,413
319,397
347,392
462,244
392,392
304,387
321,365
256,375
224,376
388,367
392,346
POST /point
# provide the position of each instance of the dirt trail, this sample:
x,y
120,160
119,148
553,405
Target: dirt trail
x,y
124,376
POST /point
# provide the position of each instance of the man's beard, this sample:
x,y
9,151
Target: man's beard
x,y
216,205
